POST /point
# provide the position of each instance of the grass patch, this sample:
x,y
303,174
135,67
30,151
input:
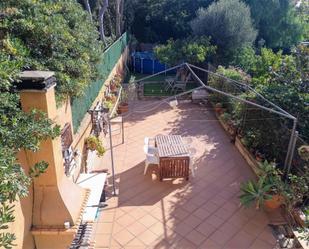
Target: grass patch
x,y
157,89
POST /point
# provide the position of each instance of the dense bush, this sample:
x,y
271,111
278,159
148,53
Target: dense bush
x,y
158,21
277,21
282,79
51,35
228,23
191,50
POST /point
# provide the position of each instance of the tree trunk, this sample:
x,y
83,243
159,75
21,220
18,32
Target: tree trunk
x,y
101,20
119,13
87,6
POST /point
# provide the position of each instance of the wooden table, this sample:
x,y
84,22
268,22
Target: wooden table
x,y
174,157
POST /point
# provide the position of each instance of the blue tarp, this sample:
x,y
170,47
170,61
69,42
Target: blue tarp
x,y
146,63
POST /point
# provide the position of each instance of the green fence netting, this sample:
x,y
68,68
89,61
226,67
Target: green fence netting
x,y
109,58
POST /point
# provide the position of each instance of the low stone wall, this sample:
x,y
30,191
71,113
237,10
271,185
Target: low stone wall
x,y
247,156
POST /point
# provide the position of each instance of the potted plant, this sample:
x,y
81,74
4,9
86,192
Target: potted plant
x,y
259,156
298,191
124,105
108,104
218,108
113,87
267,192
94,144
111,97
303,152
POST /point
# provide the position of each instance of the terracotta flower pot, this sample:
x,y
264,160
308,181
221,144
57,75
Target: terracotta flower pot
x,y
113,88
274,203
123,107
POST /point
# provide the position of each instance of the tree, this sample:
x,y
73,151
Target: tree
x,y
52,35
228,23
119,17
277,22
303,13
192,50
158,21
245,58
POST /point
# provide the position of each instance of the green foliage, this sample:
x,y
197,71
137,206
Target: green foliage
x,y
255,192
50,35
303,13
245,58
158,21
191,50
226,117
94,143
277,21
303,152
221,81
282,79
228,23
268,184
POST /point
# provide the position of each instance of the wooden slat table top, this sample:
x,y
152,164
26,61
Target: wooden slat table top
x,y
171,146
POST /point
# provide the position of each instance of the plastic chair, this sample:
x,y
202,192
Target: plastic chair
x,y
148,140
151,157
187,140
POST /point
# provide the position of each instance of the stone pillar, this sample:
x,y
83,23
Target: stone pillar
x,y
56,198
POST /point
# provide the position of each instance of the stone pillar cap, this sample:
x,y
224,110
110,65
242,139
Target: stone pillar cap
x,y
38,75
35,80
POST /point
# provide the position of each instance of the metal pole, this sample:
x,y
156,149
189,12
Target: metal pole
x,y
112,154
289,146
122,130
292,152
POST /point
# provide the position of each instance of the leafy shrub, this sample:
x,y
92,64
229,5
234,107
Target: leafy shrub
x,y
191,50
94,143
51,35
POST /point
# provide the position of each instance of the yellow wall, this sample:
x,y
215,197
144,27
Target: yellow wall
x,y
23,208
23,214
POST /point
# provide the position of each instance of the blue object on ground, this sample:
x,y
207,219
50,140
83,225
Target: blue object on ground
x,y
146,63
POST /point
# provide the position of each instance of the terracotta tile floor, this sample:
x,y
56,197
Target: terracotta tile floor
x,y
203,212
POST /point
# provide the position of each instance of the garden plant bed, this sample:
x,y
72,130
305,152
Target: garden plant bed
x,y
247,156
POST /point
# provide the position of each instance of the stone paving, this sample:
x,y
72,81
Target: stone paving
x,y
203,212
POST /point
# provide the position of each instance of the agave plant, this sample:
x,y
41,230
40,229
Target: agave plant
x,y
256,193
268,185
